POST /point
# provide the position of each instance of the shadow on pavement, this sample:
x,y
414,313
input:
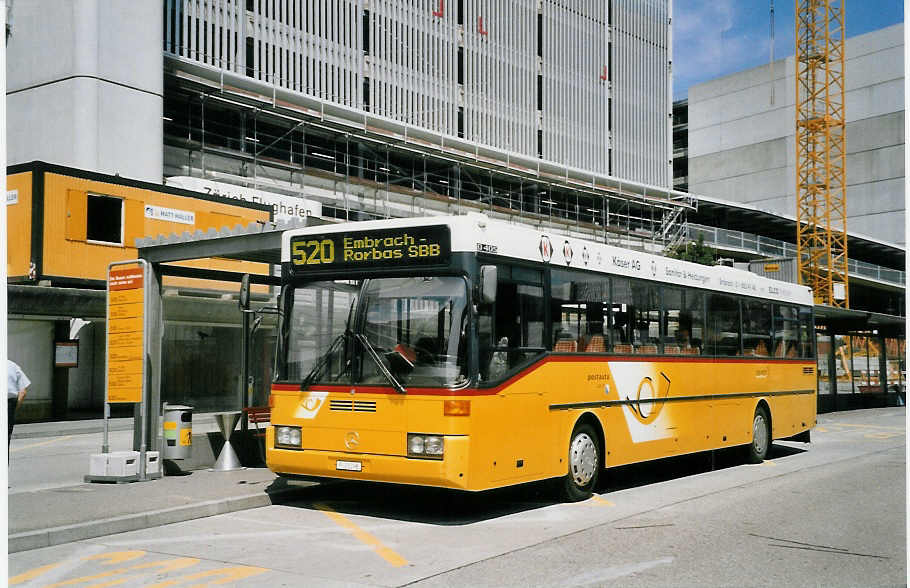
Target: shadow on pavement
x,y
671,468
439,506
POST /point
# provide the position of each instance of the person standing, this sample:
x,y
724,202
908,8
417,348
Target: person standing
x,y
16,388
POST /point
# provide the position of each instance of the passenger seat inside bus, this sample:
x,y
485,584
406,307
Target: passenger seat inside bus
x,y
566,346
596,345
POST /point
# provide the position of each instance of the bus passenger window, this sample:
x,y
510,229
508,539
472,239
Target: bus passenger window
x,y
756,328
621,310
806,333
786,331
692,323
723,325
646,331
673,336
518,329
576,311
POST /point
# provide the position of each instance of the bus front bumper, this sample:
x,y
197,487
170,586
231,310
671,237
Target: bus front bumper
x,y
449,472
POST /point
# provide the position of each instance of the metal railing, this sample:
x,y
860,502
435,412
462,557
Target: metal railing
x,y
767,247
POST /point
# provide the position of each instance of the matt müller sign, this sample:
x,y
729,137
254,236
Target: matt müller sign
x,y
283,207
173,215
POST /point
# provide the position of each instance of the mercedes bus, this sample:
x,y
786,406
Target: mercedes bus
x,y
468,353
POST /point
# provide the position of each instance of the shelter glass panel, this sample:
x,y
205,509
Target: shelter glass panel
x,y
844,363
824,354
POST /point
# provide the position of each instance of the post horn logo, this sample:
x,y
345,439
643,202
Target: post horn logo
x,y
352,440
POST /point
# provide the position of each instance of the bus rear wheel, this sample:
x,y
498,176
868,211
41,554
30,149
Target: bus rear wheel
x,y
761,436
585,460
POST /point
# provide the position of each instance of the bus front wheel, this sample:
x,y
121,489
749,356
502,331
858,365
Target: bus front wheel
x,y
761,436
585,459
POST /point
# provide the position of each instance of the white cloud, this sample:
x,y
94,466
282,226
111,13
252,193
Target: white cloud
x,y
714,38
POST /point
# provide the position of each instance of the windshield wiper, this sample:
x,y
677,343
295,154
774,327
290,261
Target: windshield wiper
x,y
378,360
323,360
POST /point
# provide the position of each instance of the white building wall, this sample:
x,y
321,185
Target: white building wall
x,y
575,116
500,89
741,145
31,345
84,86
409,69
642,110
412,65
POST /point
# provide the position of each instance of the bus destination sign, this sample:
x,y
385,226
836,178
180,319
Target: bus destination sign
x,y
408,246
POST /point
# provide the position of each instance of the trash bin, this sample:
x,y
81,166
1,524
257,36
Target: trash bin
x,y
177,421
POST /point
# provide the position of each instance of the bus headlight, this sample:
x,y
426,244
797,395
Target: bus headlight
x,y
287,437
433,445
426,446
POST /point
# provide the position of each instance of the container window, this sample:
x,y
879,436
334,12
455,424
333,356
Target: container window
x,y
104,219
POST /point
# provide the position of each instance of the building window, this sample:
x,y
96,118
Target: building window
x,y
104,219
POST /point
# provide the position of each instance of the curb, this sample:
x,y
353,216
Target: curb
x,y
28,540
62,433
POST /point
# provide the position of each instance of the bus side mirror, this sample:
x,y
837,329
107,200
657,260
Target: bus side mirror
x,y
245,292
488,284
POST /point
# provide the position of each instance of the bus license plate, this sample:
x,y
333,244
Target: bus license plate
x,y
348,466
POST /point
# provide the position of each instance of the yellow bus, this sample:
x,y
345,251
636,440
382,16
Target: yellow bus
x,y
467,353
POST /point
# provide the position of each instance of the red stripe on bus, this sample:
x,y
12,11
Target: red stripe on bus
x,y
566,358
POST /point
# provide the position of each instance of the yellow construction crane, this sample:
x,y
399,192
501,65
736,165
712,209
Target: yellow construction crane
x,y
821,186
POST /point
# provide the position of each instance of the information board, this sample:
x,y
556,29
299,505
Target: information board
x,y
66,354
125,334
384,248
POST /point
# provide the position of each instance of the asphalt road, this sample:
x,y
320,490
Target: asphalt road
x,y
832,513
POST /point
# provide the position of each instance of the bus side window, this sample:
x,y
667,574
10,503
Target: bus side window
x,y
692,321
757,328
576,312
806,333
723,325
621,310
517,320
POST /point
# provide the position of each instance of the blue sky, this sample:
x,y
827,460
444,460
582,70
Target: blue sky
x,y
712,38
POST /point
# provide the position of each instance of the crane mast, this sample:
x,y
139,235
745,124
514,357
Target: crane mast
x,y
821,198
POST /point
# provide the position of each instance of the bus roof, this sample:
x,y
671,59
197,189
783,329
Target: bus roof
x,y
477,233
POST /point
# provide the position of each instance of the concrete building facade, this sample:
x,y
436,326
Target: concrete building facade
x,y
741,143
84,86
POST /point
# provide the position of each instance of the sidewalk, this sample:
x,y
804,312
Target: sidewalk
x,y
72,511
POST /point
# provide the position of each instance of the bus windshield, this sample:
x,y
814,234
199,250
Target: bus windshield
x,y
387,331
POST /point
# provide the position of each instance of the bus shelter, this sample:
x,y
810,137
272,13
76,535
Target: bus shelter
x,y
861,359
189,260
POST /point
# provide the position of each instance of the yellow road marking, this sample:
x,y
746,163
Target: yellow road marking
x,y
48,442
164,566
116,557
111,583
32,574
602,501
901,429
227,575
161,567
386,553
821,429
880,435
